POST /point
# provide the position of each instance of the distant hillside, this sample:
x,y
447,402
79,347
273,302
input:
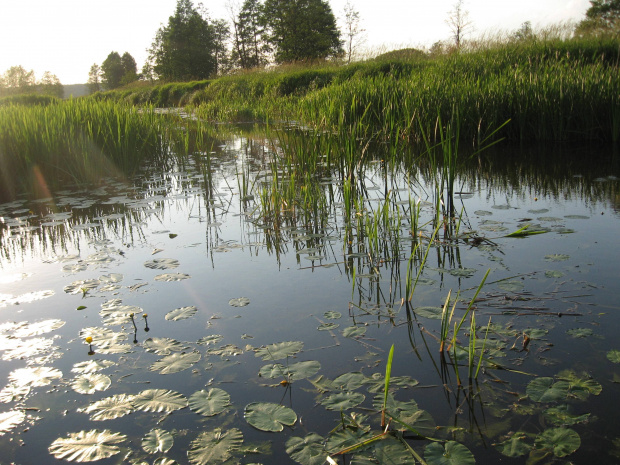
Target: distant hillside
x,y
77,90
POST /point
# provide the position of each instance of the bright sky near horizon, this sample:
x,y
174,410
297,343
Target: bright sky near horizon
x,y
66,37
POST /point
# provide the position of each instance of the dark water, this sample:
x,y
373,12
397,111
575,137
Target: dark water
x,y
562,284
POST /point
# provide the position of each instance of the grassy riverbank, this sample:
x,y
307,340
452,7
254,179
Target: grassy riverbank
x,y
550,90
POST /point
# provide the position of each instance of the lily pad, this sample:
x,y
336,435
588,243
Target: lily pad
x,y
354,331
279,350
87,446
174,363
169,277
214,447
562,416
162,263
553,274
433,313
91,366
209,403
342,400
90,383
10,419
463,272
34,376
331,315
562,441
157,440
239,302
613,356
557,257
182,313
307,450
294,371
110,407
327,326
269,417
580,332
546,390
159,400
515,446
511,286
450,453
162,345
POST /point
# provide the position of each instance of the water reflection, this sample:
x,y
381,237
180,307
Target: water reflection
x,y
346,264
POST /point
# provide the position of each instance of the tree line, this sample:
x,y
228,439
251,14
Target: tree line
x,y
192,46
17,80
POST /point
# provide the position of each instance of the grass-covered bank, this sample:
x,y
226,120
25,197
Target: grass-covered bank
x,y
43,146
549,89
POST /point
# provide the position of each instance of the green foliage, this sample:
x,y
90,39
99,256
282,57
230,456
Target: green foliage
x,y
185,48
112,71
602,18
301,30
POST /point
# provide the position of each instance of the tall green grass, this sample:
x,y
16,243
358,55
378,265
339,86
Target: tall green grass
x,y
76,141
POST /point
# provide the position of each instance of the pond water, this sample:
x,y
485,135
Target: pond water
x,y
219,336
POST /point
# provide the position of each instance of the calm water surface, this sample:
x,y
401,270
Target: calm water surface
x,y
552,299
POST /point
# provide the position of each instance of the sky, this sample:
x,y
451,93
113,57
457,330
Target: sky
x,y
66,37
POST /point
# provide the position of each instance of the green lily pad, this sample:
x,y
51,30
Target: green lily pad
x,y
279,350
208,340
557,257
214,447
354,331
614,356
389,451
511,285
91,366
239,302
546,390
162,263
182,313
535,333
450,453
553,274
170,277
346,438
162,345
209,403
294,371
350,381
87,446
156,441
580,332
433,313
110,407
342,400
562,441
91,382
159,400
515,446
11,419
308,450
562,416
327,326
332,315
269,417
174,363
463,272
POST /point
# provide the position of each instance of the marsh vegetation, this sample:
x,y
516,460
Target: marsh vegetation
x,y
370,275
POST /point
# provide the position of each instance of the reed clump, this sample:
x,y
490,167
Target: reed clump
x,y
75,141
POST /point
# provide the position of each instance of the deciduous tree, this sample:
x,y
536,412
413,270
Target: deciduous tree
x,y
459,23
130,69
301,30
50,85
94,79
112,71
354,34
185,48
250,50
603,17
